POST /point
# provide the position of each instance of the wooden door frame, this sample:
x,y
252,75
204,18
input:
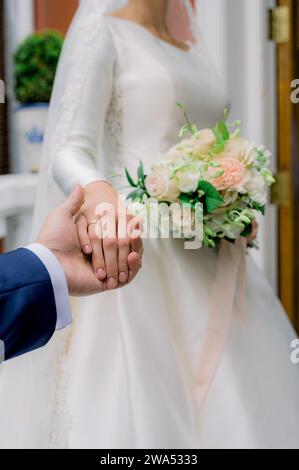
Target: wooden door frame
x,y
287,161
4,149
296,156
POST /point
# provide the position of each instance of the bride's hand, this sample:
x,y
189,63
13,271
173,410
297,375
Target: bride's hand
x,y
254,232
109,254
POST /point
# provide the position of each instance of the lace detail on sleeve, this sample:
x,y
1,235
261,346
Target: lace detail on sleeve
x,y
93,29
114,118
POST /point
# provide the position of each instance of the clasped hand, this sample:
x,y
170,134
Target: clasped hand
x,y
109,250
91,264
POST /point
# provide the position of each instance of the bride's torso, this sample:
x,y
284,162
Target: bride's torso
x,y
150,77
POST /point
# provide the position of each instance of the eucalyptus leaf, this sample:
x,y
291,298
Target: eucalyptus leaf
x,y
136,194
130,179
141,176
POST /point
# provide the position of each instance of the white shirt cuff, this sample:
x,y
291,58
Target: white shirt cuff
x,y
2,351
59,283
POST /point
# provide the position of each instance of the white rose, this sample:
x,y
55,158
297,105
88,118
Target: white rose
x,y
188,181
229,197
179,152
159,185
204,142
256,188
183,221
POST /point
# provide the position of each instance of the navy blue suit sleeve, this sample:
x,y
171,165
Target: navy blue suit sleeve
x,y
27,303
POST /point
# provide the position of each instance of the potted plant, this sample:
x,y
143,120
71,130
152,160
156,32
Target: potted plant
x,y
35,62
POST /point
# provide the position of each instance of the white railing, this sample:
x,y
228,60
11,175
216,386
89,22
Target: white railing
x,y
17,198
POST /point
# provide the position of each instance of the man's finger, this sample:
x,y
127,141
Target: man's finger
x,y
74,201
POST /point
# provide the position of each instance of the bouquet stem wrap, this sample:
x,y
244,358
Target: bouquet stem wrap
x,y
230,280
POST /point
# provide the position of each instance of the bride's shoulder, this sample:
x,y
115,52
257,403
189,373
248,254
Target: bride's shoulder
x,y
92,25
96,31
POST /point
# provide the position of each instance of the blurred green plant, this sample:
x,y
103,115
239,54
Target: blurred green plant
x,y
35,62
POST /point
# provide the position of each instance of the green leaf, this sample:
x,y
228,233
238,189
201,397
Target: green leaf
x,y
185,198
141,172
222,134
215,164
247,231
136,194
213,198
218,174
218,147
130,179
223,130
259,207
183,131
188,127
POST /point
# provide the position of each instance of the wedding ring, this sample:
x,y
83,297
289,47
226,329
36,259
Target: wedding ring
x,y
94,222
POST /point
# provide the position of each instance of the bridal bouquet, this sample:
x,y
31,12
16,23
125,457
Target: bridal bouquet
x,y
216,170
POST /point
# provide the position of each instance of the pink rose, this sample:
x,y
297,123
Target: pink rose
x,y
239,149
159,185
235,175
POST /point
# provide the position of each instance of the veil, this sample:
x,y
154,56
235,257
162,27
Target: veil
x,y
76,59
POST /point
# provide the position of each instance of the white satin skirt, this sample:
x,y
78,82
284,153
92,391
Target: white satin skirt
x,y
123,376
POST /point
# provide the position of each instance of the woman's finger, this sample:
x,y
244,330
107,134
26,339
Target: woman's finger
x,y
110,251
137,245
124,248
98,261
134,261
84,239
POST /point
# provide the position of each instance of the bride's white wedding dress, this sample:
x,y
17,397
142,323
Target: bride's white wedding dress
x,y
124,375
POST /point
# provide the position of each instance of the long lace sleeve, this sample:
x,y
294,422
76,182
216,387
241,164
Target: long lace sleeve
x,y
78,158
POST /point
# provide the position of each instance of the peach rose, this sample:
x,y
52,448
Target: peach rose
x,y
159,185
235,175
203,143
239,149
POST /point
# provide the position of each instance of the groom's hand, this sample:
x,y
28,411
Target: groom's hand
x,y
59,234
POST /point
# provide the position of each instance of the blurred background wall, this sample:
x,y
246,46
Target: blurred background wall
x,y
245,58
